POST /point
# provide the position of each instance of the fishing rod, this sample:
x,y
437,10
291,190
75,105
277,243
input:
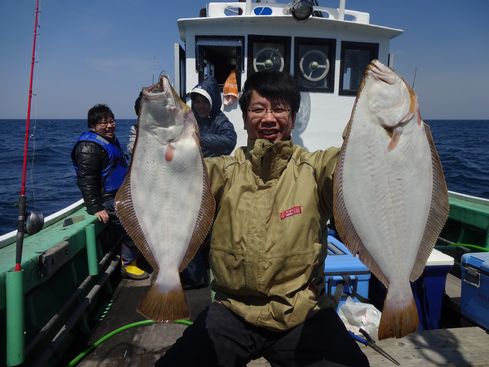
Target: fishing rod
x,y
21,227
414,77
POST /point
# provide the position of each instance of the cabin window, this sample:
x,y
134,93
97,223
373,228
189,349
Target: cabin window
x,y
314,64
218,56
268,53
355,56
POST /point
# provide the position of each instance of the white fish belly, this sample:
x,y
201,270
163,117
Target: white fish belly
x,y
167,196
388,194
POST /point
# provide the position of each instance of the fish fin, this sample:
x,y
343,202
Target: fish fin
x,y
398,319
438,211
204,221
125,212
342,220
164,306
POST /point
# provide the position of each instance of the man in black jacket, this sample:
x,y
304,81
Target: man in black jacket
x,y
100,169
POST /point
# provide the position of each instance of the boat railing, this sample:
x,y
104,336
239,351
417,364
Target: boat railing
x,y
469,198
225,9
9,238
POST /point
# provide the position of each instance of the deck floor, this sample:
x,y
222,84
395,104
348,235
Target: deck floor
x,y
143,345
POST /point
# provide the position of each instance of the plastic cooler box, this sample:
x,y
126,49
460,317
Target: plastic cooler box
x,y
428,290
345,273
474,302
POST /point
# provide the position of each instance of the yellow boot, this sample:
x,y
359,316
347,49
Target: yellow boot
x,y
132,271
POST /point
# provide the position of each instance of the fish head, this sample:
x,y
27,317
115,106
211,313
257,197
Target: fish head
x,y
162,112
391,102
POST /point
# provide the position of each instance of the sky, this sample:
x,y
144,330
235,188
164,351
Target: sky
x,y
105,51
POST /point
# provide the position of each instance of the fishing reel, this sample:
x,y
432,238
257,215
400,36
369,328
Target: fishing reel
x,y
34,222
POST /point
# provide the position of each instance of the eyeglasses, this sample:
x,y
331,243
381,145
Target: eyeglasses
x,y
278,112
105,123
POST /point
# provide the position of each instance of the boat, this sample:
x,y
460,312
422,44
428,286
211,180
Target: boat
x,y
70,274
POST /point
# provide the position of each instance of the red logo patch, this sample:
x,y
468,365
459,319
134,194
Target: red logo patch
x,y
290,212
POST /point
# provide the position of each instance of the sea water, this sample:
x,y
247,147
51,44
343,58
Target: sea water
x,y
51,181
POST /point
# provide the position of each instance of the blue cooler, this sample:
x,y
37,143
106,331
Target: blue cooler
x,y
345,274
428,290
474,302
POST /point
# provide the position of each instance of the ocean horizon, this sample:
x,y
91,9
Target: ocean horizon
x,y
51,181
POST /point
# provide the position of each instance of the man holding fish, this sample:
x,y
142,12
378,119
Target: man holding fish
x,y
267,251
272,202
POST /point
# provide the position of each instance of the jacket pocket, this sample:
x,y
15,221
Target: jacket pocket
x,y
287,274
228,270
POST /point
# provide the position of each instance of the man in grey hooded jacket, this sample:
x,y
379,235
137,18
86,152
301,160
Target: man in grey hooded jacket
x,y
217,137
217,134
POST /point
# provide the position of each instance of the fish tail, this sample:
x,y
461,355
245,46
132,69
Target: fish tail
x,y
164,306
398,318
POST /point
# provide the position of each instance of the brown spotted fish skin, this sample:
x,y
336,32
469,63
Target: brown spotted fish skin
x,y
390,194
165,203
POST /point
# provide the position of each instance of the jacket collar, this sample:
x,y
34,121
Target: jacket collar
x,y
268,160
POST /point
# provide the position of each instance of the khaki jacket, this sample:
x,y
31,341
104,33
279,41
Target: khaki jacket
x,y
268,239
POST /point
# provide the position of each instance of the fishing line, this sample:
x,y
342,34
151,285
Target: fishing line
x,y
109,335
414,77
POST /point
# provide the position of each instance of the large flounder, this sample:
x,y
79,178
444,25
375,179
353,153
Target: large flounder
x,y
165,203
390,195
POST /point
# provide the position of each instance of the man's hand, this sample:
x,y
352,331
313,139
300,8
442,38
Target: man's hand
x,y
102,216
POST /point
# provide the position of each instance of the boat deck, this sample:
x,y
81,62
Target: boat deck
x,y
143,345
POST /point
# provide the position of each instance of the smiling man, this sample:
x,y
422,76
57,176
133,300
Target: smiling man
x,y
100,170
268,246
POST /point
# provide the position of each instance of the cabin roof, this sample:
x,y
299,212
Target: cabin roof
x,y
277,22
277,16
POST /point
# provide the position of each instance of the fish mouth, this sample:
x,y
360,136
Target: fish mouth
x,y
381,72
162,86
161,93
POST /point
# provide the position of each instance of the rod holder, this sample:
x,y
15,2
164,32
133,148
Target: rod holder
x,y
91,242
14,283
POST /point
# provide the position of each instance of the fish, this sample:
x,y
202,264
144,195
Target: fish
x,y
165,202
390,198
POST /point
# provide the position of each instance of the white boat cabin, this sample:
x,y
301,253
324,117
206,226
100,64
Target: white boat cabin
x,y
325,49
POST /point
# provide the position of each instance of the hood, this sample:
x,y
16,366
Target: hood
x,y
210,90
